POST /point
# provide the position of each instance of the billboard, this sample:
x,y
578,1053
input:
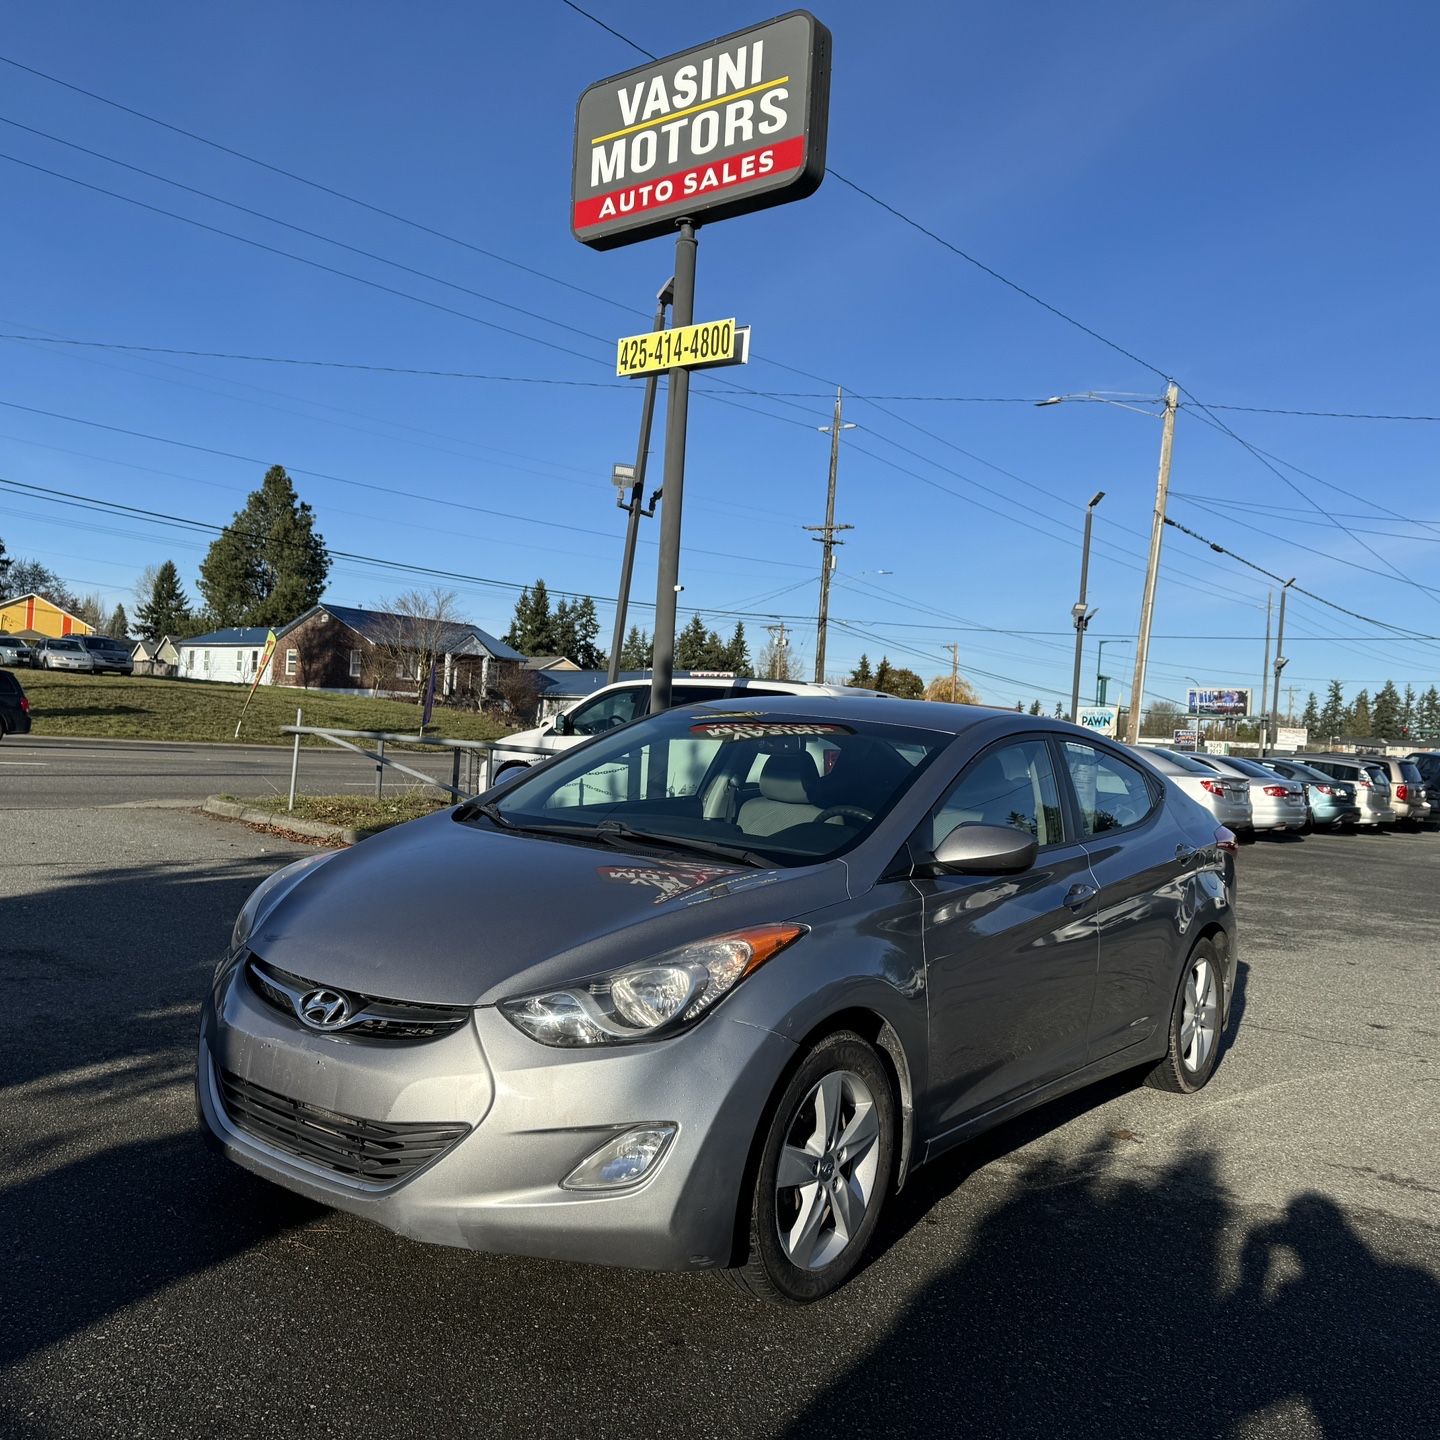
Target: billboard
x,y
1099,718
734,125
1217,704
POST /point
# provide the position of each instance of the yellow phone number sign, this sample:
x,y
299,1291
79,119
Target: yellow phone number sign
x,y
693,347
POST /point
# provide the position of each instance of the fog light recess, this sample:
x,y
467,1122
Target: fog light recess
x,y
623,1160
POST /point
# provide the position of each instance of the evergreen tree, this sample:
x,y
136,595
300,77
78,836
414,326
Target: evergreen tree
x,y
1407,711
690,646
532,629
904,683
1035,707
269,564
737,652
5,564
861,675
585,632
1385,715
1311,718
635,652
1427,715
1060,711
1332,717
1358,722
881,679
166,611
119,626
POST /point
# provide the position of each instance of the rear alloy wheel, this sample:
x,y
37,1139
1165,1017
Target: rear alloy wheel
x,y
1197,1025
824,1172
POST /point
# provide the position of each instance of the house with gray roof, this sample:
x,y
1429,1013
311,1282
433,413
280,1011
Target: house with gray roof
x,y
347,650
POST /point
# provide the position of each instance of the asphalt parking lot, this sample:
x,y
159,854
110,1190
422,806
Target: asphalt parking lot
x,y
1261,1259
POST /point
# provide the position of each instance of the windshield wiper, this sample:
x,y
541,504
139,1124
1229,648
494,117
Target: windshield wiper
x,y
617,832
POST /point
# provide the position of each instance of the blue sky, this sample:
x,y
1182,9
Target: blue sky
x,y
1236,194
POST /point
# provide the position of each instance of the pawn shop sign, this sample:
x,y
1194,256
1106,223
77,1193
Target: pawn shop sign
x,y
725,128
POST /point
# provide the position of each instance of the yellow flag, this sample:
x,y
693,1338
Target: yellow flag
x,y
265,657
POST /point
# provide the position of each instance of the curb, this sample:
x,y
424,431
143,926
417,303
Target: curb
x,y
314,829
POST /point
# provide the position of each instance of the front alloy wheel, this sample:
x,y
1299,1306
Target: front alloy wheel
x,y
825,1167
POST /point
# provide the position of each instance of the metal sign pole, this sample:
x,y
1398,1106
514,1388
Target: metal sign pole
x,y
677,408
632,525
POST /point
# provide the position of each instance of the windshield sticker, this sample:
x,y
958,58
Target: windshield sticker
x,y
669,883
742,729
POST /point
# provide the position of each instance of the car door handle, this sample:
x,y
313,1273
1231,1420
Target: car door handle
x,y
1079,895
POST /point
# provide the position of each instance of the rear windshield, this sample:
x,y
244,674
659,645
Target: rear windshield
x,y
1304,772
1378,775
9,685
1249,767
1172,762
1410,772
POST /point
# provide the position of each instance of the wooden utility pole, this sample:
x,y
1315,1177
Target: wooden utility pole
x,y
779,644
1152,567
827,539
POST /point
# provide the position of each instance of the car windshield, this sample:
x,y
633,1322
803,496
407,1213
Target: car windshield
x,y
64,645
101,642
758,786
1249,767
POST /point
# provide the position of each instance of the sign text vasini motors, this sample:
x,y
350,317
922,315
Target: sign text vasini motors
x,y
724,128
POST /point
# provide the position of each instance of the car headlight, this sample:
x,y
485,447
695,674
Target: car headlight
x,y
269,891
651,1000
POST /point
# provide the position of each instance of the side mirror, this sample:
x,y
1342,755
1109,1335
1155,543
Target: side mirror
x,y
562,725
986,850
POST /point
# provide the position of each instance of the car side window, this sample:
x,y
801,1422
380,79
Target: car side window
x,y
1012,784
597,716
1112,793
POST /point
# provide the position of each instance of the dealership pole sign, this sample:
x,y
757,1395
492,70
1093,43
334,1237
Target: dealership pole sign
x,y
720,130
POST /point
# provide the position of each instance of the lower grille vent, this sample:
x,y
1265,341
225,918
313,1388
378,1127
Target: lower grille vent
x,y
380,1153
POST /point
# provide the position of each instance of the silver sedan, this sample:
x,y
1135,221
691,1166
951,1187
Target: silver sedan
x,y
700,993
1277,803
1227,799
63,654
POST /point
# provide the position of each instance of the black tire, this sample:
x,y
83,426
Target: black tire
x,y
765,1269
1184,1069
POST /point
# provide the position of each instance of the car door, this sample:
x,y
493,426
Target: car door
x,y
1010,959
1141,859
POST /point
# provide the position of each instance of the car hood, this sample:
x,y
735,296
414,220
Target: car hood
x,y
449,913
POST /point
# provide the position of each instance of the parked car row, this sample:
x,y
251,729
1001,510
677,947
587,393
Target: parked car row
x,y
93,654
1306,792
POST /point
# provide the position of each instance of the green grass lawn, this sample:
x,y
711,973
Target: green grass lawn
x,y
357,810
132,707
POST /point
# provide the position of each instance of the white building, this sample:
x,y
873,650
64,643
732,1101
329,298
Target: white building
x,y
231,655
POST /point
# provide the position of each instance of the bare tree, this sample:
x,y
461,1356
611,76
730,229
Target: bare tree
x,y
776,660
414,634
517,689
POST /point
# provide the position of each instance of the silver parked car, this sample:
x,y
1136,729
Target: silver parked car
x,y
109,654
1276,803
1372,785
66,653
1407,788
15,652
1227,799
1332,802
712,1020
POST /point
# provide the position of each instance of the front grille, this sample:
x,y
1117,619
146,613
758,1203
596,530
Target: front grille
x,y
379,1153
374,1018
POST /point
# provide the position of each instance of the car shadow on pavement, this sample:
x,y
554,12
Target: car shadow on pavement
x,y
107,1193
1108,1300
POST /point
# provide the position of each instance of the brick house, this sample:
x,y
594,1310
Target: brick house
x,y
347,650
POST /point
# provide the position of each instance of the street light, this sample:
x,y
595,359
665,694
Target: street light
x,y
1157,535
1080,612
1099,662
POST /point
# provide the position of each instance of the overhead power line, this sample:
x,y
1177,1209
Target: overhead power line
x,y
1319,414
316,184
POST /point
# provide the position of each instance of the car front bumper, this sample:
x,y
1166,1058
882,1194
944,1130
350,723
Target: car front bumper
x,y
534,1113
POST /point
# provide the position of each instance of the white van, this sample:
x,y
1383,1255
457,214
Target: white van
x,y
627,700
